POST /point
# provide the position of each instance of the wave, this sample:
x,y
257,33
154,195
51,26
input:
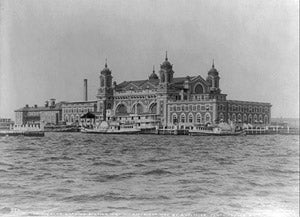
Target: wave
x,y
25,149
104,163
110,196
112,177
56,158
157,172
155,160
5,210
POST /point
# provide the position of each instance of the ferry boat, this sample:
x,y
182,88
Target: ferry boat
x,y
219,130
112,128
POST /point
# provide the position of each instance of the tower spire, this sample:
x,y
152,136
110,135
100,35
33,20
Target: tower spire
x,y
213,63
153,68
166,55
105,62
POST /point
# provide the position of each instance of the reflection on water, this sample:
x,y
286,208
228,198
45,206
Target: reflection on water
x,y
209,176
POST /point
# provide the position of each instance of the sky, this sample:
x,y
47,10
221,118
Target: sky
x,y
48,47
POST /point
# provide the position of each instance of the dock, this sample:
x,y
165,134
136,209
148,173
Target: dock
x,y
22,133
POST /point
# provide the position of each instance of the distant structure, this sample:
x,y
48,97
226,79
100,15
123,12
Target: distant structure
x,y
6,123
180,101
50,113
85,90
183,101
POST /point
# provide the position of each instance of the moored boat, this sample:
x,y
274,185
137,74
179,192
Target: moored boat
x,y
219,130
112,128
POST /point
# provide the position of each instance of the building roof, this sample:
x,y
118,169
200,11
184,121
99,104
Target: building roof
x,y
248,102
40,108
138,83
79,102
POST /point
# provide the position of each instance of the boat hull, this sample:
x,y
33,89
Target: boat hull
x,y
91,131
201,133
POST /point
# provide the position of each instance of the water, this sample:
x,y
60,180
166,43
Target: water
x,y
140,175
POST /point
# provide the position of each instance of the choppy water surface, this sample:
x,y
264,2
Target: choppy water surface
x,y
149,174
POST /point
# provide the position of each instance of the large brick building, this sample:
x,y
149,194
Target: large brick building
x,y
182,101
50,113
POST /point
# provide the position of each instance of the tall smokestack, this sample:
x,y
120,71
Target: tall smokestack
x,y
85,91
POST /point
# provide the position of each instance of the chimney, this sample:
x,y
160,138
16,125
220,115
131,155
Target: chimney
x,y
52,102
35,106
46,103
26,106
85,91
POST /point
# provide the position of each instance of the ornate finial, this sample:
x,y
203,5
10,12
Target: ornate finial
x,y
153,68
213,63
105,62
166,55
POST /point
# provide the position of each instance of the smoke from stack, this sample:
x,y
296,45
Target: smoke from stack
x,y
85,91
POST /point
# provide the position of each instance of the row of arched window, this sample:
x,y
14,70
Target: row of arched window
x,y
189,108
241,108
72,118
248,118
78,110
190,118
137,108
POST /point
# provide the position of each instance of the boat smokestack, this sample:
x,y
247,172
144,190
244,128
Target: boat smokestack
x,y
85,91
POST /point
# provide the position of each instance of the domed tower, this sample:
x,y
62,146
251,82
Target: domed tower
x,y
166,71
213,79
153,76
105,77
105,91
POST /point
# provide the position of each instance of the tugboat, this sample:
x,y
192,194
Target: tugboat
x,y
112,128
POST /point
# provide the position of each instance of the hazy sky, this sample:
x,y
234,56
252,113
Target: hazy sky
x,y
49,47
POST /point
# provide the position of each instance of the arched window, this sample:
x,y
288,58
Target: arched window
x,y
121,109
250,119
101,81
139,109
209,81
198,118
266,121
191,118
72,119
182,118
255,118
153,108
162,77
266,109
207,118
233,117
174,119
245,118
260,118
199,89
108,106
221,116
239,117
169,78
67,118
